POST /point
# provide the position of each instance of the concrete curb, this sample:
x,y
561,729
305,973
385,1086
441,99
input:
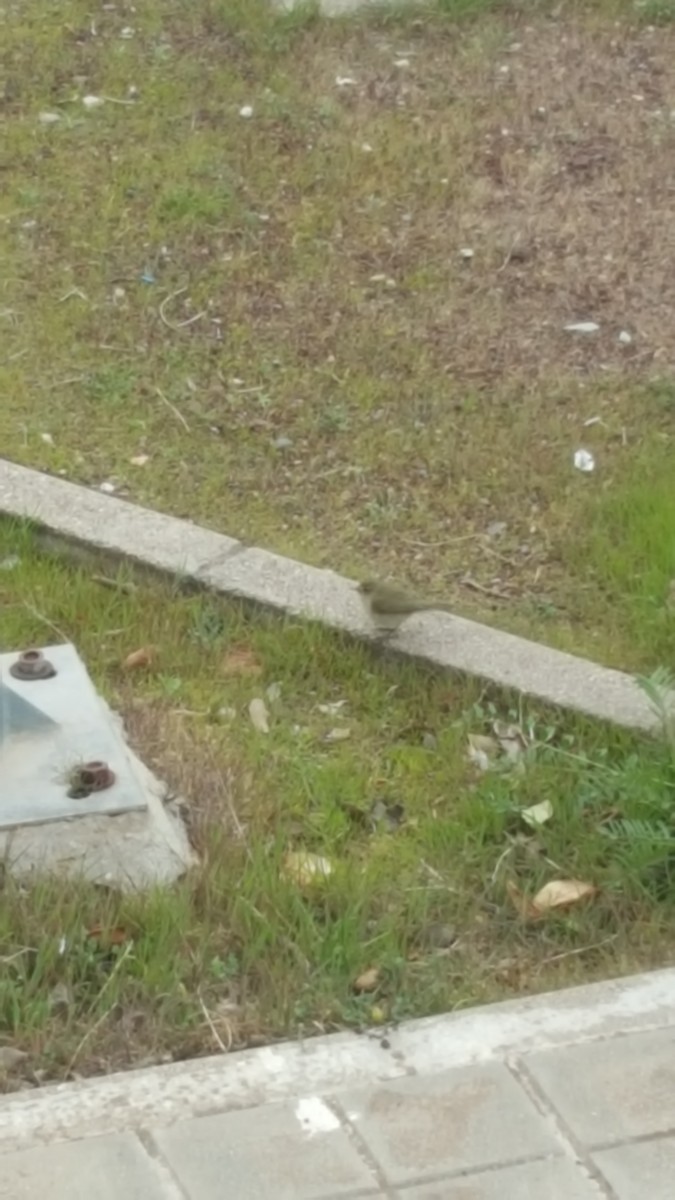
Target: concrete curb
x,y
105,524
161,1096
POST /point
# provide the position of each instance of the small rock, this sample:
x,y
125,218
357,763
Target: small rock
x,y
246,111
107,487
10,1057
584,461
625,338
47,439
496,528
92,101
466,253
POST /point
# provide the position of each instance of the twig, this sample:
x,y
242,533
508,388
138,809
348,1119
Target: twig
x,y
509,255
8,958
117,585
173,408
467,537
214,1031
176,325
41,617
73,292
478,587
579,950
500,860
92,1029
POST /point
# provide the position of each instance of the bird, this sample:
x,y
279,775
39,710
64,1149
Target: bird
x,y
388,607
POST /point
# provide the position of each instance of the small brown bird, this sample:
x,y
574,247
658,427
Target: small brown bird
x,y
388,607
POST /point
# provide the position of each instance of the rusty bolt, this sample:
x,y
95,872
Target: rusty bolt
x,y
89,777
32,664
96,776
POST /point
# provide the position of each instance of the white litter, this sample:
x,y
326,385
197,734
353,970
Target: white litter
x,y
584,461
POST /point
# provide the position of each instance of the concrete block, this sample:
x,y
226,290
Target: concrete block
x,y
266,1154
106,1167
109,524
546,1179
417,1129
289,586
640,1169
613,1090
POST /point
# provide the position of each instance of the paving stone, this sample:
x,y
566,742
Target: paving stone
x,y
454,1121
107,1168
548,1179
265,1154
640,1170
613,1090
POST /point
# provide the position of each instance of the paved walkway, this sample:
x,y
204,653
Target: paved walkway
x,y
568,1096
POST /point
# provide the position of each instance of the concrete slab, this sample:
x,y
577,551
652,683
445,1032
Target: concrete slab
x,y
547,1179
269,1154
313,1121
78,515
48,727
612,1090
456,1121
130,851
640,1169
107,1168
109,524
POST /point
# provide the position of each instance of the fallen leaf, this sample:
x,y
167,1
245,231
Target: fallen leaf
x,y
522,903
337,735
241,661
482,749
143,657
257,711
110,935
305,868
10,1057
537,814
139,460
561,893
367,981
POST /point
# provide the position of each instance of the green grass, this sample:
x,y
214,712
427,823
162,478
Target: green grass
x,y
421,842
275,312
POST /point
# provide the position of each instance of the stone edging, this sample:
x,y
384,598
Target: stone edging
x,y
84,517
161,1096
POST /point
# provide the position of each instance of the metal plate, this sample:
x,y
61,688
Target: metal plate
x,y
48,727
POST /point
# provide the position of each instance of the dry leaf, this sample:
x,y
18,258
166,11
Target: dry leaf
x,y
538,814
10,1057
511,739
561,893
305,868
139,460
112,935
482,749
367,981
337,735
144,657
257,711
241,661
522,903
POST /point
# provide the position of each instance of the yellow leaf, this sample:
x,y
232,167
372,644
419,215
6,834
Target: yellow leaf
x,y
367,981
305,868
561,893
